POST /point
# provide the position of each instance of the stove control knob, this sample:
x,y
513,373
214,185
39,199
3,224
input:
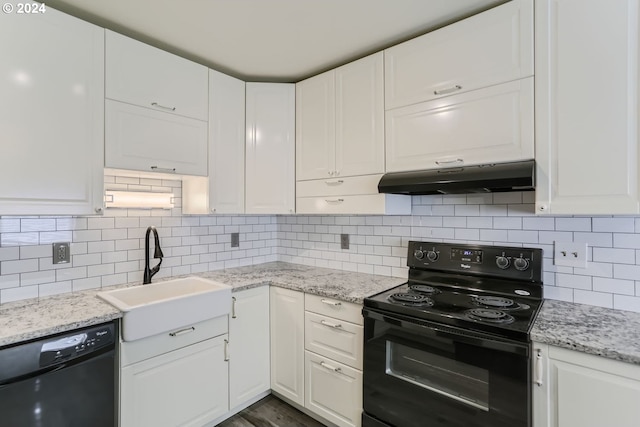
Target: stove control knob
x,y
521,264
432,256
419,254
502,262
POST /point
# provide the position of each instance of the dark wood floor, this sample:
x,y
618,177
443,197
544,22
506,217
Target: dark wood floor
x,y
270,412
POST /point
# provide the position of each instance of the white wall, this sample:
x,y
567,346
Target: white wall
x,y
108,250
378,243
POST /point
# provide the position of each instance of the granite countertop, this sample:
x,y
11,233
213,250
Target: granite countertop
x,y
605,332
29,319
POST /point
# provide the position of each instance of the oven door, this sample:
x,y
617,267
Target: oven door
x,y
429,375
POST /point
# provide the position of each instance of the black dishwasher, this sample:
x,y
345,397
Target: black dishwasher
x,y
64,380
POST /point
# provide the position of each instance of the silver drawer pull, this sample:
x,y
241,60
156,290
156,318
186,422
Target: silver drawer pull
x,y
447,90
336,182
329,367
448,162
226,350
538,380
233,307
331,325
158,169
182,331
332,303
334,200
155,104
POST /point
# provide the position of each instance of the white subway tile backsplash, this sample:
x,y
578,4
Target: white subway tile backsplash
x,y
593,298
615,225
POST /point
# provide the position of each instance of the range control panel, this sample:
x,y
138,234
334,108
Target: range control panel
x,y
499,261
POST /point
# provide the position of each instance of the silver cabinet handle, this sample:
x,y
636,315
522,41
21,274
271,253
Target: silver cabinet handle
x,y
233,307
448,162
162,107
447,90
330,367
334,201
182,331
98,210
538,379
329,302
158,169
331,325
336,182
226,350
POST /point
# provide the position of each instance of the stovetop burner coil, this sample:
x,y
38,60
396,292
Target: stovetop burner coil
x,y
489,315
411,299
424,289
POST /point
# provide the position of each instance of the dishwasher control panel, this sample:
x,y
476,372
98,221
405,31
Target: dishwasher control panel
x,y
68,347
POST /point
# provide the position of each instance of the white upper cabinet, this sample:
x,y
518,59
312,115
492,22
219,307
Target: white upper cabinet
x,y
490,125
463,94
340,122
156,109
270,148
587,95
489,48
143,75
51,115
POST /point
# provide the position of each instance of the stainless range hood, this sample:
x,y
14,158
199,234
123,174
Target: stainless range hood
x,y
499,177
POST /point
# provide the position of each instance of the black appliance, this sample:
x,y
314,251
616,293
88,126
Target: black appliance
x,y
66,380
489,178
451,347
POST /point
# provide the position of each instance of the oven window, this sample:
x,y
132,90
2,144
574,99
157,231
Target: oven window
x,y
456,380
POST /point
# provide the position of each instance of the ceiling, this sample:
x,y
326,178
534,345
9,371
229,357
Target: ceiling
x,y
272,40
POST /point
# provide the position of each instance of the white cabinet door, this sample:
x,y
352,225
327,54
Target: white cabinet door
x,y
249,360
490,125
587,73
152,141
226,143
287,343
143,75
270,148
492,47
51,115
583,390
185,387
333,390
315,127
359,110
340,121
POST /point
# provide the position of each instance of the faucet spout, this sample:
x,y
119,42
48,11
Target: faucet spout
x,y
157,254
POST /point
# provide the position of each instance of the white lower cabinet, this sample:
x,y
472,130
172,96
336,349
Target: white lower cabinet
x,y
574,389
175,380
287,343
249,361
333,390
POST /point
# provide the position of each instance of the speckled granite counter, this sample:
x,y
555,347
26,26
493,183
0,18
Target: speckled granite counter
x,y
614,334
24,320
343,285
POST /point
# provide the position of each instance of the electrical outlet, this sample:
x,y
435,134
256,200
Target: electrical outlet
x,y
570,254
344,241
235,240
61,253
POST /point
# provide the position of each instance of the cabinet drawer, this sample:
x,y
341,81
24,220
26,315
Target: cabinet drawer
x,y
381,204
137,138
366,184
491,125
492,47
335,308
339,340
135,351
143,75
333,390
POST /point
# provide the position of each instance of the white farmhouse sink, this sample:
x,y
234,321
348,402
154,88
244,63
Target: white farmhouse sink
x,y
164,306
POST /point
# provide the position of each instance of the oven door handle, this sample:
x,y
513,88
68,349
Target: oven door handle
x,y
439,332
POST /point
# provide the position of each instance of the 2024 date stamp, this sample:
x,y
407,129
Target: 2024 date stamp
x,y
24,8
